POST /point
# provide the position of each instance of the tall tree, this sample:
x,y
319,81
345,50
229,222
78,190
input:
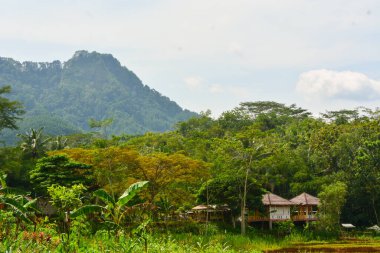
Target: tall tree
x,y
332,199
33,143
270,115
175,176
237,158
102,125
367,173
59,170
113,167
9,110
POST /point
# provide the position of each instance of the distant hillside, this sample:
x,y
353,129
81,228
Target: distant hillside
x,y
63,96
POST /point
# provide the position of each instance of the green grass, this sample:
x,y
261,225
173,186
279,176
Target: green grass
x,y
210,239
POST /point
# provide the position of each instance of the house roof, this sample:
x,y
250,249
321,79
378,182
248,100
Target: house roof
x,y
305,199
271,199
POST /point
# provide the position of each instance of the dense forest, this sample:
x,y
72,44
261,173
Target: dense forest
x,y
254,148
63,96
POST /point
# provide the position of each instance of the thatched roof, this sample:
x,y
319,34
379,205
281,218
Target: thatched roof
x,y
305,199
347,225
271,199
211,208
201,208
375,227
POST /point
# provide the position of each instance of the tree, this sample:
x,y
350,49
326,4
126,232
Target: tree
x,y
171,176
332,199
59,170
367,174
33,143
101,125
59,143
269,115
65,199
342,116
113,167
230,190
201,126
9,110
237,159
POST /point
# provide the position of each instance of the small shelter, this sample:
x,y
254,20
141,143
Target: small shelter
x,y
205,213
276,209
307,207
374,228
348,225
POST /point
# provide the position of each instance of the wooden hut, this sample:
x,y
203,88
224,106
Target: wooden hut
x,y
276,209
307,207
205,213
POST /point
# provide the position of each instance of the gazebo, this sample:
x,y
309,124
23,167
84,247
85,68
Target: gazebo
x,y
307,207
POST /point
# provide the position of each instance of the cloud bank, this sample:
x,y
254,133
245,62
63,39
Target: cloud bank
x,y
328,84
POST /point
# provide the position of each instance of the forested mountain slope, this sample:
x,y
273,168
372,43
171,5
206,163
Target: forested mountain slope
x,y
64,96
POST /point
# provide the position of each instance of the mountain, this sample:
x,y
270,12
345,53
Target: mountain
x,y
63,96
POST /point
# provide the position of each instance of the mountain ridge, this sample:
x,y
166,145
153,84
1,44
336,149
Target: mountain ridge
x,y
89,85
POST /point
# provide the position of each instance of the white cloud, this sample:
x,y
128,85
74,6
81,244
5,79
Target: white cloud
x,y
216,88
193,82
347,85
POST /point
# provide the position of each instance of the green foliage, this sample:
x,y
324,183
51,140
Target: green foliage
x,y
229,190
102,125
59,143
332,199
33,143
9,110
114,209
58,170
284,227
230,160
90,85
130,193
66,198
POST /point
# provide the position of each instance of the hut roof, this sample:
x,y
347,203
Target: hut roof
x,y
211,208
201,207
271,199
375,227
305,199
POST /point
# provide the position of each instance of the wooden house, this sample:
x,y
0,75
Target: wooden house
x,y
306,207
276,209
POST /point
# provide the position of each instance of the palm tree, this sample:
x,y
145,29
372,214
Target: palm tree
x,y
59,143
33,143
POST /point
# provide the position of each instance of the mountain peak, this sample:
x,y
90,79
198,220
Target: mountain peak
x,y
90,85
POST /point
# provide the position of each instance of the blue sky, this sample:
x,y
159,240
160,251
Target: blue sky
x,y
214,54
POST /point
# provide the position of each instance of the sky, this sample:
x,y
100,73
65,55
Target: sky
x,y
214,54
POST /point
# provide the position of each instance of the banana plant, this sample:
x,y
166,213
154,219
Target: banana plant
x,y
114,209
15,200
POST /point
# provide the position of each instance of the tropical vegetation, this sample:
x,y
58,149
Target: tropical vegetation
x,y
92,192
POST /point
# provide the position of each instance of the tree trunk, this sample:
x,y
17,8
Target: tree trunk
x,y
242,215
374,209
243,221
